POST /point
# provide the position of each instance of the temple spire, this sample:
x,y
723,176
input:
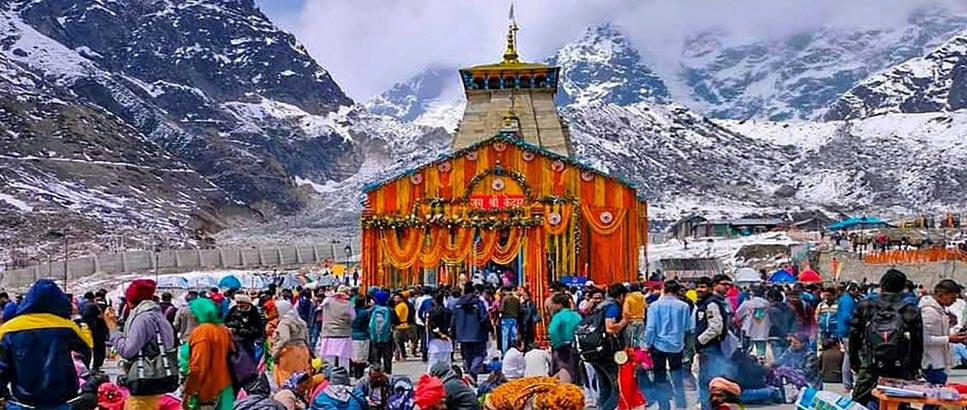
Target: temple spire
x,y
510,55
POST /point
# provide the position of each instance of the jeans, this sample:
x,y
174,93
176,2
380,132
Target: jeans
x,y
421,339
665,390
960,353
847,372
646,385
473,357
313,335
382,354
711,364
765,395
635,334
508,334
607,375
934,376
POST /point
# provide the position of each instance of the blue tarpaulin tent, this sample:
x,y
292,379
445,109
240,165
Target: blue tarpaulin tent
x,y
782,276
859,222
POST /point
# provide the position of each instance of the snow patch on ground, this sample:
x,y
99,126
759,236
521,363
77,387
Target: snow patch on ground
x,y
16,203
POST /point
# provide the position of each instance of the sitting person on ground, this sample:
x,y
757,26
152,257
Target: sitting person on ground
x,y
751,375
724,394
374,387
493,381
514,364
293,392
338,395
259,396
537,362
460,396
430,394
797,365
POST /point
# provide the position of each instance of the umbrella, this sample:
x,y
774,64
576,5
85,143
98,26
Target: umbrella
x,y
781,276
810,276
230,282
747,275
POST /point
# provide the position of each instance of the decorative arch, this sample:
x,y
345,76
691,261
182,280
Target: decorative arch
x,y
497,170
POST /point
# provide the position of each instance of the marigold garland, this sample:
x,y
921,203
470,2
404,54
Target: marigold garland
x,y
405,255
505,255
432,248
547,393
457,252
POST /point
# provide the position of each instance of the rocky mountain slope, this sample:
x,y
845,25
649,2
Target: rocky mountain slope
x,y
935,82
211,85
799,76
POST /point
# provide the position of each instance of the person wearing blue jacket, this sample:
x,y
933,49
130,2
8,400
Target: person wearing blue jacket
x,y
467,326
35,351
9,307
844,311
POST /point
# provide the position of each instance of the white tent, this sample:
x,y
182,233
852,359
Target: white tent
x,y
747,275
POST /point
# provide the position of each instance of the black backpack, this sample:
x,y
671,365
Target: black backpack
x,y
889,339
594,344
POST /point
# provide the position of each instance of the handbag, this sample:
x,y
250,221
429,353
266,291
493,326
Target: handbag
x,y
241,366
155,370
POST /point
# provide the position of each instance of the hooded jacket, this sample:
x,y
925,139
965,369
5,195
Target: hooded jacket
x,y
459,395
467,323
247,325
36,348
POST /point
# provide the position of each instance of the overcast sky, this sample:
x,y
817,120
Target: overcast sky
x,y
368,45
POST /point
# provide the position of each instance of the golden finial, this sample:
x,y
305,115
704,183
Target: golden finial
x,y
510,56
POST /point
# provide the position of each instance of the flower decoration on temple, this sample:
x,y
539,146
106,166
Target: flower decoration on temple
x,y
528,156
500,146
587,176
444,167
416,178
477,221
557,166
554,218
516,176
606,217
497,184
471,156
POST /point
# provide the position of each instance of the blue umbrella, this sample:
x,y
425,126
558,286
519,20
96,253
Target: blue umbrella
x,y
230,282
782,276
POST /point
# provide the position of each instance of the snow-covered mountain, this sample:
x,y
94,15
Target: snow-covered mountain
x,y
935,82
603,67
718,74
799,76
211,84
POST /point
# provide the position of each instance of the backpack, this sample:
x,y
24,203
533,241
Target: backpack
x,y
888,338
594,344
381,325
759,314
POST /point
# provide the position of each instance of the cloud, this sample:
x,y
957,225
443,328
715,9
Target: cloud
x,y
369,45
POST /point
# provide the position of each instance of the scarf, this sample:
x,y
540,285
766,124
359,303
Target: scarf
x,y
142,307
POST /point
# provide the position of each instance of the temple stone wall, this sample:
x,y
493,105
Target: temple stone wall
x,y
540,123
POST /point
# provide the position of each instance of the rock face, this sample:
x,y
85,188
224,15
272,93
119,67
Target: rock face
x,y
933,83
603,67
799,76
211,86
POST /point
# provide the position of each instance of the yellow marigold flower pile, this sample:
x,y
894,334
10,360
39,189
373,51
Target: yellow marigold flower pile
x,y
547,393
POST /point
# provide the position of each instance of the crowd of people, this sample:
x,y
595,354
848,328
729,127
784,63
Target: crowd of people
x,y
626,345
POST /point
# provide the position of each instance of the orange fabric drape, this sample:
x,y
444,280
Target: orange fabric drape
x,y
564,211
402,255
915,256
505,254
593,217
484,250
432,247
457,247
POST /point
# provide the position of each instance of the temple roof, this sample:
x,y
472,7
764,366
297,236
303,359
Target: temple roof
x,y
372,186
